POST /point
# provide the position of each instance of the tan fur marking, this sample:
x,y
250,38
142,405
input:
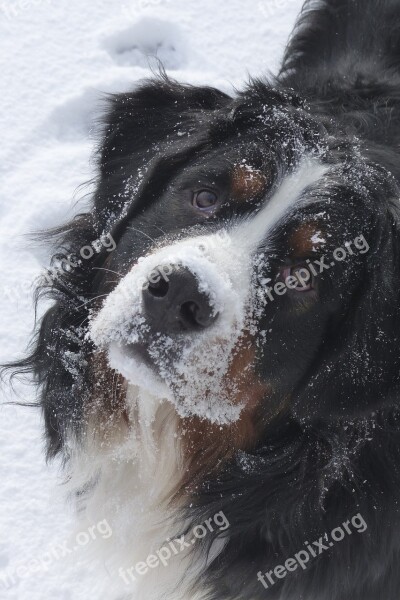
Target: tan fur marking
x,y
300,242
208,445
247,184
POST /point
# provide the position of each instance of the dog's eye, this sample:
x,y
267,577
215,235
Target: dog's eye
x,y
298,277
205,200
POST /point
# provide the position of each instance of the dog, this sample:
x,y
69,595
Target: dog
x,y
222,381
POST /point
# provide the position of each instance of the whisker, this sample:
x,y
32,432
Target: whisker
x,y
109,270
91,300
85,319
143,233
159,228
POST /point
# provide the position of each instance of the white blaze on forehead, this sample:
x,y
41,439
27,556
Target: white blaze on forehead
x,y
223,265
253,230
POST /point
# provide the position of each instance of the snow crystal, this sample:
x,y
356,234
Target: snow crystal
x,y
317,239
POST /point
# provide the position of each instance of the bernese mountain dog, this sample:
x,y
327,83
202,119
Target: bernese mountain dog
x,y
220,366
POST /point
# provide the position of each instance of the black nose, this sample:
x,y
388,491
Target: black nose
x,y
173,303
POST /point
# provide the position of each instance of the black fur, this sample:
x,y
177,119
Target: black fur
x,y
335,451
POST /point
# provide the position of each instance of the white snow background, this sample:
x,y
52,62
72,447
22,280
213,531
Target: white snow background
x,y
57,57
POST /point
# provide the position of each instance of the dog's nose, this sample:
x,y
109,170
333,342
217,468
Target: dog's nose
x,y
174,303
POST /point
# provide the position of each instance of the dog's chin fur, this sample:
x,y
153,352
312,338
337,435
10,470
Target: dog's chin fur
x,y
295,426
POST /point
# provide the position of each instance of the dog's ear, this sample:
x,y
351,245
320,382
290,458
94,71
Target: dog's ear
x,y
136,123
358,371
135,120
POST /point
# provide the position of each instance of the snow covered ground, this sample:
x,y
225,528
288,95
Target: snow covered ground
x,y
58,56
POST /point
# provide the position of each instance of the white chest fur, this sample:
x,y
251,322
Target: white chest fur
x,y
130,485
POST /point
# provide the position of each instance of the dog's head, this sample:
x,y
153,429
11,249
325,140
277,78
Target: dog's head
x,y
255,268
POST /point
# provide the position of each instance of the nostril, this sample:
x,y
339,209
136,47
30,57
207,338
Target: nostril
x,y
158,289
194,315
189,311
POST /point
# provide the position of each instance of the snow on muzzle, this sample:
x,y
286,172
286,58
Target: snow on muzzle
x,y
171,325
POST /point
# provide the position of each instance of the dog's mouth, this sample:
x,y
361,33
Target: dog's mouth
x,y
197,376
214,380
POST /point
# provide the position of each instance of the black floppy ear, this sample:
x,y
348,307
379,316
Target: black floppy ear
x,y
359,370
136,122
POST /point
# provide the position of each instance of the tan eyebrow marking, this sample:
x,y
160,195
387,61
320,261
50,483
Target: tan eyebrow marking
x,y
301,242
247,183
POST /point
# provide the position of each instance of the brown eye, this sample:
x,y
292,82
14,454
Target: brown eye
x,y
205,200
299,277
